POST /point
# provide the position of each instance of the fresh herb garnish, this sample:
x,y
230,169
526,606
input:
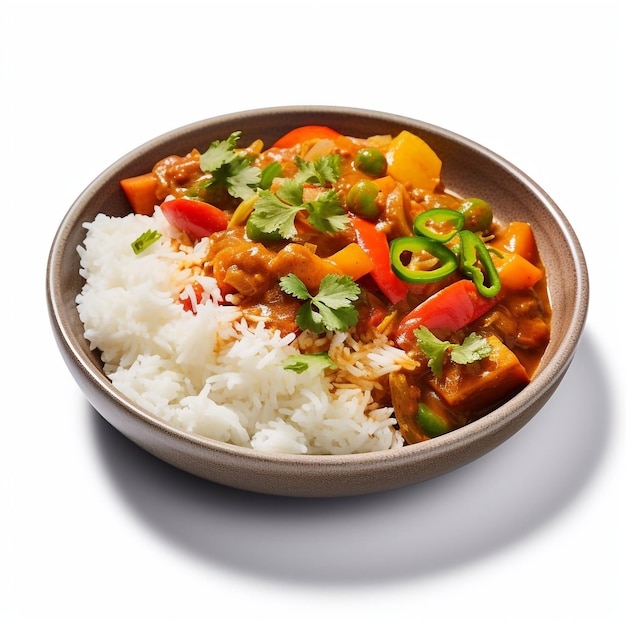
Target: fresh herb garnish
x,y
315,363
331,309
324,169
276,212
230,168
145,240
474,348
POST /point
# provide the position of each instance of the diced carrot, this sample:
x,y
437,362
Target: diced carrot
x,y
352,261
518,237
141,192
515,271
387,184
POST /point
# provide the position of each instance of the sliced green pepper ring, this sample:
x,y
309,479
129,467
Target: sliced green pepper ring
x,y
474,250
438,224
413,245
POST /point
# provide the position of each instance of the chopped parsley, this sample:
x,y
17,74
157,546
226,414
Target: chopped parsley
x,y
230,168
331,309
276,212
474,348
315,363
145,240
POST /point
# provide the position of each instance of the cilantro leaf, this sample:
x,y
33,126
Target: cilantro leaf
x,y
315,363
293,286
331,309
230,168
337,291
145,240
219,153
326,213
242,177
324,169
308,318
433,348
474,348
291,193
276,212
271,214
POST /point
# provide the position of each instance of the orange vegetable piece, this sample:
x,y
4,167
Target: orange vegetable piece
x,y
518,237
515,271
141,192
352,261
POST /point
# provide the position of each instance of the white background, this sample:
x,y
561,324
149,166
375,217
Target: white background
x,y
93,530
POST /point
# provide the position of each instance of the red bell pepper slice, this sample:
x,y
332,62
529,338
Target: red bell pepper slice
x,y
375,243
447,310
197,219
305,133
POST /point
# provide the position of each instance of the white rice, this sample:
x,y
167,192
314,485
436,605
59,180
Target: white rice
x,y
211,372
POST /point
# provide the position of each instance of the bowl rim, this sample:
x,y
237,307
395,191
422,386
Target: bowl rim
x,y
489,425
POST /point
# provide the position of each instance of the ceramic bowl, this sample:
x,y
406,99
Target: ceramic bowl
x,y
468,169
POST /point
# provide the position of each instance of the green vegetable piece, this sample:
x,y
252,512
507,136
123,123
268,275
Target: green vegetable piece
x,y
477,213
371,161
269,173
432,424
438,224
403,247
477,264
144,241
361,199
315,363
254,233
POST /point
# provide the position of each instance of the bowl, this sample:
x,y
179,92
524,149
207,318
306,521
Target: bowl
x,y
468,169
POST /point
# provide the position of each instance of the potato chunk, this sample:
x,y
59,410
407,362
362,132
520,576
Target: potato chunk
x,y
483,384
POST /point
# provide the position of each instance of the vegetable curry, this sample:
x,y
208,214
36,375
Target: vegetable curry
x,y
324,233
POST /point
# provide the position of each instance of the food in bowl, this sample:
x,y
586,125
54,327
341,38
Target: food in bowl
x,y
323,295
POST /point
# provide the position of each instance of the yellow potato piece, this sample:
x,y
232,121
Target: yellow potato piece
x,y
412,162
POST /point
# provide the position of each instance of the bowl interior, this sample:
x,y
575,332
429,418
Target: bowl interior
x,y
468,169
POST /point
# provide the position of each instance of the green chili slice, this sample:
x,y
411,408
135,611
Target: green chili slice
x,y
432,424
473,251
439,224
404,247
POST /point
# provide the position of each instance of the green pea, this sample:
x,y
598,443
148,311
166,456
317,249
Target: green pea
x,y
432,424
477,213
362,199
254,233
371,161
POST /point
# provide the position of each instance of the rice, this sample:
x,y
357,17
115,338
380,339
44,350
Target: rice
x,y
211,372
